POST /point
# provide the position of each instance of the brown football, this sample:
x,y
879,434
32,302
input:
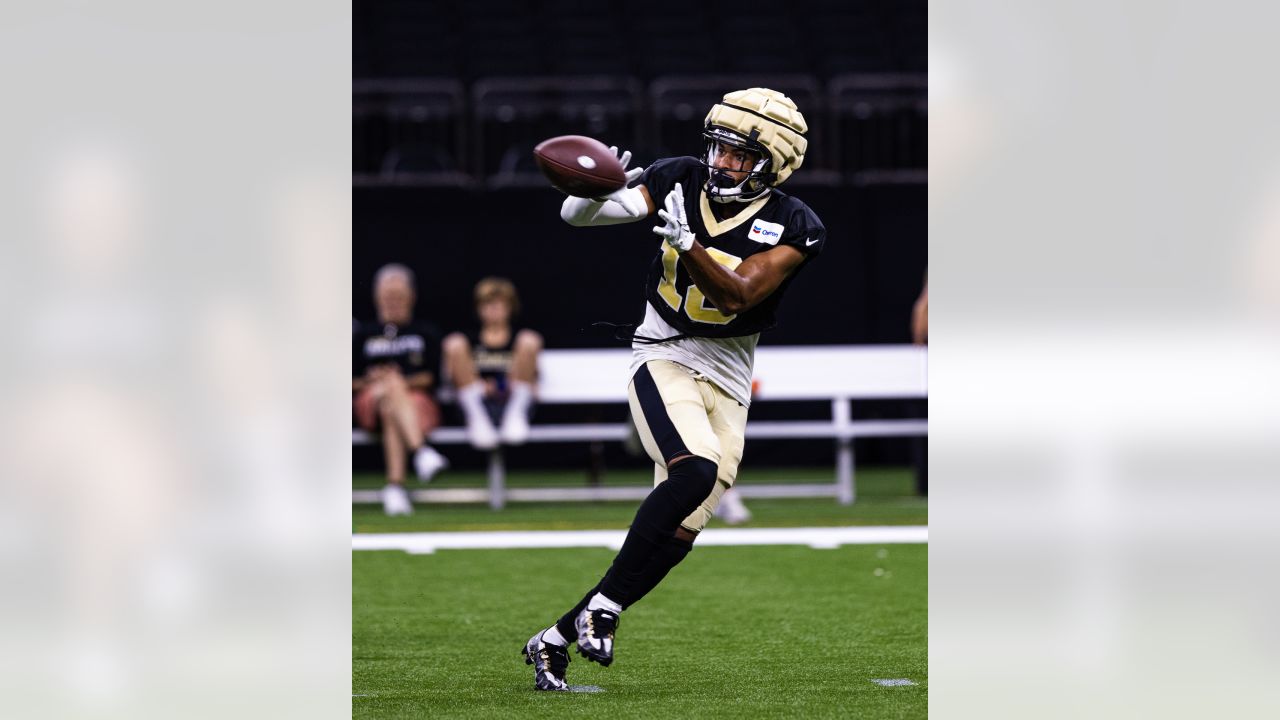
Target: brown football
x,y
580,166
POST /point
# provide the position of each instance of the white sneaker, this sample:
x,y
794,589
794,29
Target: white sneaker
x,y
395,500
481,431
427,462
731,509
515,428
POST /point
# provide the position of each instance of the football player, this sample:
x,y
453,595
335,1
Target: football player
x,y
732,243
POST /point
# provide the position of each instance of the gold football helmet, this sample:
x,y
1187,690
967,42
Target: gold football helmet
x,y
761,121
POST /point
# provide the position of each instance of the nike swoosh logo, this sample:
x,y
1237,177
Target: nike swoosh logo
x,y
807,243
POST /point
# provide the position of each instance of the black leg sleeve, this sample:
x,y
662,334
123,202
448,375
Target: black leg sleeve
x,y
688,483
668,556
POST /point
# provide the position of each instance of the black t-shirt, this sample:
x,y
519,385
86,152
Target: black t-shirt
x,y
776,219
414,347
493,362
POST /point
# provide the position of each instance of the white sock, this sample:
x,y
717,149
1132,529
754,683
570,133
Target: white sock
x,y
471,397
521,396
600,602
552,636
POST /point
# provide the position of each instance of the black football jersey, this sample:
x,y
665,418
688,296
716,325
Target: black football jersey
x,y
775,219
414,348
493,363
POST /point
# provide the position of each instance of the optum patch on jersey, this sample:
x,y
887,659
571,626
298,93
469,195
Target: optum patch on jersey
x,y
765,232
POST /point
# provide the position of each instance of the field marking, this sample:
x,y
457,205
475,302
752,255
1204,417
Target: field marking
x,y
892,682
821,538
586,688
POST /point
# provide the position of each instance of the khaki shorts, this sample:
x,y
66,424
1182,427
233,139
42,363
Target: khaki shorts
x,y
680,412
365,410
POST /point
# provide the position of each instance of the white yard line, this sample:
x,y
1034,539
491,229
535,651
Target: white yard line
x,y
822,538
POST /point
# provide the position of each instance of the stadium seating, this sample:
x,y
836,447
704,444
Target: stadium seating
x,y
470,39
511,114
861,126
879,126
406,130
524,70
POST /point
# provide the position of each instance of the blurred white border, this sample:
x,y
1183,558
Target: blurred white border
x,y
1104,396
175,437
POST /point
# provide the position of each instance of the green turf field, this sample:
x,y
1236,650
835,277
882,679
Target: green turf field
x,y
885,497
733,632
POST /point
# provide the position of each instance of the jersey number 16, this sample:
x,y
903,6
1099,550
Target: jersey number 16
x,y
695,303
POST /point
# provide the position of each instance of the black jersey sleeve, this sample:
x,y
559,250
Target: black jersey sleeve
x,y
661,177
803,230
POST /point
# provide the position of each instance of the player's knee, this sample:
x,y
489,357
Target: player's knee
x,y
455,343
708,449
688,484
528,341
386,408
692,480
697,466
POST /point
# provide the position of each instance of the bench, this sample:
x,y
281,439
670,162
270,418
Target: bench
x,y
840,374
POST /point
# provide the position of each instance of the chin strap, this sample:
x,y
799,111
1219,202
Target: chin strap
x,y
726,199
709,185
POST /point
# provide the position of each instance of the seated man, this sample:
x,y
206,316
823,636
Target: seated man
x,y
395,364
495,369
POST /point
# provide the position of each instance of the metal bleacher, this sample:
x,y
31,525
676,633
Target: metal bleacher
x,y
839,374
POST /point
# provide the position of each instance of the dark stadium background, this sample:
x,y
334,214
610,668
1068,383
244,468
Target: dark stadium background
x,y
450,97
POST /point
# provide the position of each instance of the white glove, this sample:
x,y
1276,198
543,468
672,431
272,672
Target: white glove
x,y
676,231
629,204
625,159
630,201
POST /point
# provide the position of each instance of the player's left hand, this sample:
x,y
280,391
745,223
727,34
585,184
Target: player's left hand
x,y
676,231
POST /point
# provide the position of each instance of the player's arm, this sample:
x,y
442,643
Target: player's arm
x,y
731,291
622,206
740,289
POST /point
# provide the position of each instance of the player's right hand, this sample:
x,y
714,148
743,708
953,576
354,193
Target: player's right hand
x,y
675,229
629,201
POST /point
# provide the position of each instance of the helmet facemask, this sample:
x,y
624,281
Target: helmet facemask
x,y
721,185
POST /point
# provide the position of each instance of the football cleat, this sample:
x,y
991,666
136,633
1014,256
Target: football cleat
x,y
595,634
549,663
